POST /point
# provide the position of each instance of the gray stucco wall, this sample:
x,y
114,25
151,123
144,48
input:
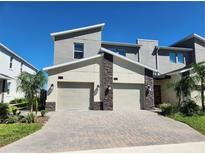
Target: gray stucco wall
x,y
164,64
131,52
199,50
64,45
147,52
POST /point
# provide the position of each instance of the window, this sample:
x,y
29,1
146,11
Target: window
x,y
78,50
180,58
8,87
172,57
122,52
113,49
11,62
21,69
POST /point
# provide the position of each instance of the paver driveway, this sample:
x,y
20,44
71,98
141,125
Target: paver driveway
x,y
83,130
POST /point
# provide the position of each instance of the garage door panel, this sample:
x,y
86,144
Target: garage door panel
x,y
127,97
74,96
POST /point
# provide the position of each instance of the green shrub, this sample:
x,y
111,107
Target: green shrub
x,y
30,118
14,110
18,101
12,119
23,120
189,108
43,112
4,111
166,108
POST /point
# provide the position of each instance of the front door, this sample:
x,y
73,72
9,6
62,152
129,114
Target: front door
x,y
157,95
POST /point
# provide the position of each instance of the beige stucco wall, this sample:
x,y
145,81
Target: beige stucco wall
x,y
168,95
88,71
127,72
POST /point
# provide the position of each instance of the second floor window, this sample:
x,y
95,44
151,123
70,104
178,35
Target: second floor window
x,y
11,62
122,52
180,58
78,50
21,69
172,57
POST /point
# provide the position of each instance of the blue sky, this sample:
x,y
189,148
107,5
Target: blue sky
x,y
25,27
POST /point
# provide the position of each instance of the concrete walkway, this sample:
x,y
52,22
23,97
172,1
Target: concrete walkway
x,y
193,147
87,130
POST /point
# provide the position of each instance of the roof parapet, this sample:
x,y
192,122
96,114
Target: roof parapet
x,y
77,30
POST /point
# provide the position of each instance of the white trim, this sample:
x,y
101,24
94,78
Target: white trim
x,y
120,44
79,51
14,54
72,62
189,37
174,48
180,71
77,30
123,57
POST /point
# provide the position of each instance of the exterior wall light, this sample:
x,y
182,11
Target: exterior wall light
x,y
109,87
148,90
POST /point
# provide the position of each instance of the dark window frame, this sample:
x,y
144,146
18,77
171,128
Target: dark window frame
x,y
78,52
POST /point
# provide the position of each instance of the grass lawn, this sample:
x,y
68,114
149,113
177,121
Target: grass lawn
x,y
196,122
12,132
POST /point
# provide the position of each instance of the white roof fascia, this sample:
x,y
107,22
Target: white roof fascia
x,y
174,48
77,30
13,53
72,62
120,44
5,77
188,37
124,58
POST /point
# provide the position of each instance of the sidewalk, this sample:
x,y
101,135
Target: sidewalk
x,y
192,147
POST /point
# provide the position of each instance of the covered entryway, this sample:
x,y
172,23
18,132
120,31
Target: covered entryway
x,y
127,97
74,96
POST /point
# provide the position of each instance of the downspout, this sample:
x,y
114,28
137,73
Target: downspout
x,y
157,64
3,90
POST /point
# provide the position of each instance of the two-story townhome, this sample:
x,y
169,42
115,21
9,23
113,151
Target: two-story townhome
x,y
11,65
89,73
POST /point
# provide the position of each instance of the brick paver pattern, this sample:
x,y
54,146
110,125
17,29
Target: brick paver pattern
x,y
86,130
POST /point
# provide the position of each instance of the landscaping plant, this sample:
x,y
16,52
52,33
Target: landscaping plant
x,y
43,112
31,84
199,77
189,108
183,88
4,111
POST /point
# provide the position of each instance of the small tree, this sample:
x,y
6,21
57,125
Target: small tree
x,y
183,88
199,77
31,84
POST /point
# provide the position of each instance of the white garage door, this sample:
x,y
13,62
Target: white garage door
x,y
127,97
72,96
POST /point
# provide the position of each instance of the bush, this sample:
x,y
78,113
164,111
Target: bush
x,y
4,111
14,110
30,118
19,102
23,120
167,108
189,108
12,119
43,112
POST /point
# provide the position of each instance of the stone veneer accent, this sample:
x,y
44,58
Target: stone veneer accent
x,y
51,106
107,79
96,106
149,96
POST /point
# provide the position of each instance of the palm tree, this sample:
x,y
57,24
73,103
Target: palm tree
x,y
183,88
30,85
199,77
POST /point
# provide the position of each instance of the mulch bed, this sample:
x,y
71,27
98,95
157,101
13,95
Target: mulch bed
x,y
42,120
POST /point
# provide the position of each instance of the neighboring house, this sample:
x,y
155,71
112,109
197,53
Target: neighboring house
x,y
89,73
11,65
